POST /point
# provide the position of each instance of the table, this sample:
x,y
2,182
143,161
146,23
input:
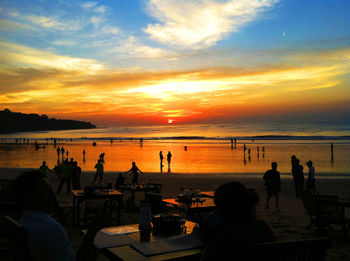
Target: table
x,y
141,187
80,196
196,209
208,194
126,252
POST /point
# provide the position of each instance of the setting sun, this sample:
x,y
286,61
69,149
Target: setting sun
x,y
170,121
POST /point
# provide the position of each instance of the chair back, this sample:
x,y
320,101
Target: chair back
x,y
310,203
155,202
17,239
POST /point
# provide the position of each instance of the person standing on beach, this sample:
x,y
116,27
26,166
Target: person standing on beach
x,y
84,155
273,185
168,156
298,176
310,183
161,157
134,172
58,152
66,175
62,152
99,170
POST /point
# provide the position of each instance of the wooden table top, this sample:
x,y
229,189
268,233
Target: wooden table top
x,y
207,203
111,192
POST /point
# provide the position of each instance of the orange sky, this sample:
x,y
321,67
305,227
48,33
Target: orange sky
x,y
212,80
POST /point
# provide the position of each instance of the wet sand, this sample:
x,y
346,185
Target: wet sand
x,y
289,224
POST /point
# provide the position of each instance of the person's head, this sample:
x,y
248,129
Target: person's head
x,y
44,163
297,161
274,165
133,164
32,192
309,163
234,202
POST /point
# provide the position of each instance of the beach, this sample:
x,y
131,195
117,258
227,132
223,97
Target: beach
x,y
289,224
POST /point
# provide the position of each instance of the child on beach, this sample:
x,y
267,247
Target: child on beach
x,y
273,185
99,170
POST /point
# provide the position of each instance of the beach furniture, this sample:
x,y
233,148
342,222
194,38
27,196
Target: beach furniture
x,y
196,208
17,240
325,211
124,243
100,193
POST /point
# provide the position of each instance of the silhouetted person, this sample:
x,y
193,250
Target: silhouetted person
x,y
66,175
257,150
47,239
44,169
310,182
161,157
233,224
273,185
62,152
134,172
99,170
332,150
67,153
84,155
76,172
102,157
298,176
185,148
58,152
120,181
168,156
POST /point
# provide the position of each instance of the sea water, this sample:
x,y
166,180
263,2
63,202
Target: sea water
x,y
194,148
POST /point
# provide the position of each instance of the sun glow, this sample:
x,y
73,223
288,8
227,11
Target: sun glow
x,y
170,121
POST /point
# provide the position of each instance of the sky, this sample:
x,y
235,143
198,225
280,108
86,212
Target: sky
x,y
145,62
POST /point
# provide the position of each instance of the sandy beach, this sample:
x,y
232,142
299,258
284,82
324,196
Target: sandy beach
x,y
289,224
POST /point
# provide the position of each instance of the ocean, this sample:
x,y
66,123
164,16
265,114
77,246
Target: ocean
x,y
195,148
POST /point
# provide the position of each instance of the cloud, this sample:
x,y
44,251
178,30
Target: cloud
x,y
133,48
201,23
18,55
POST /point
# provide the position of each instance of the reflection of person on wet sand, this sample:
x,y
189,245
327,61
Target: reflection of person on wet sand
x,y
134,172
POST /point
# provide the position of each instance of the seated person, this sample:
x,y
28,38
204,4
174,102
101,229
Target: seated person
x,y
233,224
119,181
47,239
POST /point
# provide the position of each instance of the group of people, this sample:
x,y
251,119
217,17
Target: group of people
x,y
273,180
69,172
168,156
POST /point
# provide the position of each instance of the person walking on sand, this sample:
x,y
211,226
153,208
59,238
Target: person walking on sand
x,y
310,183
273,185
99,170
134,172
168,156
161,157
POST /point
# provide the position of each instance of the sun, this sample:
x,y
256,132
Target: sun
x,y
170,121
